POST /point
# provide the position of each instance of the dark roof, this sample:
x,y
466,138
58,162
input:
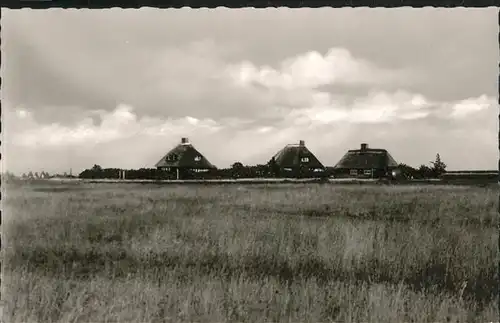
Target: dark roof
x,y
291,157
185,155
367,158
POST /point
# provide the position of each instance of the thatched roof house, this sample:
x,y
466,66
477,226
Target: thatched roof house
x,y
184,157
366,162
297,161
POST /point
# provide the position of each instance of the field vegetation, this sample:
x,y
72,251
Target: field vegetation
x,y
249,253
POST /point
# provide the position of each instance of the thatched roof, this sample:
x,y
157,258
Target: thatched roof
x,y
367,158
184,155
293,156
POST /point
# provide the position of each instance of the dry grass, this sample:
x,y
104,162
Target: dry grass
x,y
297,252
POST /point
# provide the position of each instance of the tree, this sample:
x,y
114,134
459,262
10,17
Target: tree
x,y
425,171
96,168
274,167
237,169
407,171
237,165
438,167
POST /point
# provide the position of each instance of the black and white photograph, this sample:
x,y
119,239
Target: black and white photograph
x,y
250,165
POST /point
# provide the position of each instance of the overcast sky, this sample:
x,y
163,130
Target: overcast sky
x,y
120,88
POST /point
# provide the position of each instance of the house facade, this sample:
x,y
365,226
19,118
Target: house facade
x,y
297,161
366,162
185,161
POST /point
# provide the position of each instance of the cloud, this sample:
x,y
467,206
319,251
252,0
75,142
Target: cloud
x,y
296,92
312,69
378,107
323,109
122,123
467,107
22,114
76,58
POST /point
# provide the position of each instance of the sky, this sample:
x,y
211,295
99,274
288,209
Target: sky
x,y
119,88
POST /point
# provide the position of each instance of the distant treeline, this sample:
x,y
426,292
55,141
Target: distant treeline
x,y
483,175
423,172
237,170
271,170
258,171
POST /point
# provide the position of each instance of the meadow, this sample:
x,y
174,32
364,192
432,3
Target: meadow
x,y
249,253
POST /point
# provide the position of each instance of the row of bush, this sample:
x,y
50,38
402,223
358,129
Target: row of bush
x,y
238,170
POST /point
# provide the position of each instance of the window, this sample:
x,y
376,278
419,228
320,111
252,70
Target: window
x,y
197,158
172,157
368,172
354,172
304,159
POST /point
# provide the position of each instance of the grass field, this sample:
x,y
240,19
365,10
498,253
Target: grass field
x,y
282,252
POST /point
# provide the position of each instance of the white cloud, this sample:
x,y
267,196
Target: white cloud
x,y
292,91
295,92
377,107
192,121
313,69
414,115
264,129
22,114
122,123
470,106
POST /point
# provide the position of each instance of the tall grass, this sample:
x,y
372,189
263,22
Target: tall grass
x,y
315,253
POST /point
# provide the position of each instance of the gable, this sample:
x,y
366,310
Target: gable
x,y
295,156
391,162
192,158
356,159
185,156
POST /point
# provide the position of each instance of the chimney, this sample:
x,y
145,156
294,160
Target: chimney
x,y
302,143
364,146
184,141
